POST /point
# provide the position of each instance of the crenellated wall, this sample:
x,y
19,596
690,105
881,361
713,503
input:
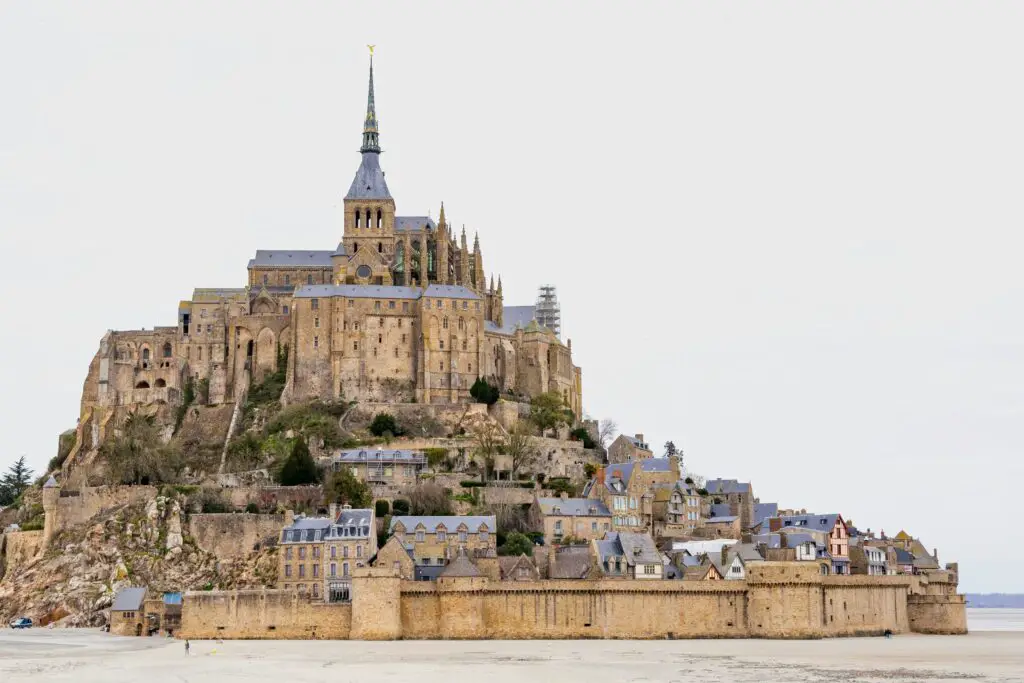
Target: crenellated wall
x,y
778,600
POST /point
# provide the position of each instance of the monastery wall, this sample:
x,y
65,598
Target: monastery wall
x,y
233,535
74,508
779,600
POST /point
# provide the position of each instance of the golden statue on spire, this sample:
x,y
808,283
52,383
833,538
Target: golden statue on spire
x,y
371,49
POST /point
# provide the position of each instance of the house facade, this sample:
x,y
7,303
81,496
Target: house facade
x,y
388,467
837,536
565,518
437,540
318,555
629,555
629,449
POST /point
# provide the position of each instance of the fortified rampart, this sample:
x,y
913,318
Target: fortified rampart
x,y
233,535
778,600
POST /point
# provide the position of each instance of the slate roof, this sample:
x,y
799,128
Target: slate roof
x,y
793,540
903,556
427,573
764,511
413,223
518,316
349,523
369,182
727,486
460,566
360,455
720,509
129,600
571,563
293,258
578,507
450,292
507,565
50,483
769,540
358,291
727,519
746,552
818,522
638,548
450,522
656,465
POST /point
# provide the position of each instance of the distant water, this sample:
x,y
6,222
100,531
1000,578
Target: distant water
x,y
995,619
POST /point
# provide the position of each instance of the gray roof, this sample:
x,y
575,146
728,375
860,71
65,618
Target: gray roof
x,y
636,442
769,540
656,465
450,522
450,292
570,563
725,519
764,511
413,223
578,507
904,556
368,182
356,517
358,292
460,566
818,522
635,548
291,259
428,572
306,530
793,540
727,486
129,599
720,509
746,551
50,483
518,316
359,455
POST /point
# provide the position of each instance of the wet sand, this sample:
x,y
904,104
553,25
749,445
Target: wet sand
x,y
87,656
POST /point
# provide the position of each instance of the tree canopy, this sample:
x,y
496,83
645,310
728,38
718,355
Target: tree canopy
x,y
343,487
516,544
299,468
548,411
15,481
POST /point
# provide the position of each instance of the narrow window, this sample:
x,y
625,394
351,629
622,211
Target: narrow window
x,y
376,305
445,324
464,345
391,305
266,280
380,219
369,222
380,338
316,322
355,346
314,304
380,247
316,342
357,219
287,279
309,279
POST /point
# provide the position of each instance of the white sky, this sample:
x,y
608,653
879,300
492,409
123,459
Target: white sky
x,y
785,235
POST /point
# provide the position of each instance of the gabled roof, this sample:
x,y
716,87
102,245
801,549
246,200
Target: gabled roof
x,y
129,599
571,563
817,522
360,455
638,548
291,258
508,565
578,507
472,522
725,519
450,292
746,552
414,223
763,511
727,486
460,567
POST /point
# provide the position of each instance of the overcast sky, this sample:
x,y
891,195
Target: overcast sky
x,y
785,235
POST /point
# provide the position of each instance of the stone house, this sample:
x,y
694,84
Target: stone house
x,y
628,449
629,555
735,559
400,467
318,555
627,490
394,554
581,519
868,560
575,562
521,568
677,510
127,613
436,540
721,527
705,571
837,541
739,496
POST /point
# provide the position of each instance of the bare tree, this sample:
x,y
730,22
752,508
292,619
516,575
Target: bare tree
x,y
429,499
607,430
487,443
519,447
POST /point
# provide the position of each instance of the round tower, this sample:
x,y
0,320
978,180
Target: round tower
x,y
51,495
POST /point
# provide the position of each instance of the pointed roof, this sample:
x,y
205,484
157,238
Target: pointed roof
x,y
460,567
50,483
369,181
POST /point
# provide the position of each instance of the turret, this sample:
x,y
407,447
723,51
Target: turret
x,y
478,263
464,261
499,306
442,249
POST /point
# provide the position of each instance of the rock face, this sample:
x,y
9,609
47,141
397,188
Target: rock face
x,y
74,581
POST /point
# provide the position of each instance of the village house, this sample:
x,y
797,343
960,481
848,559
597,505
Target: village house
x,y
722,527
704,570
318,554
572,562
564,518
868,560
389,467
629,449
521,568
127,613
678,509
628,555
837,543
394,554
739,496
735,559
628,490
438,539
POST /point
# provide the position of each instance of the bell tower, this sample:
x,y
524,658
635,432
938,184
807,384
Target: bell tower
x,y
369,232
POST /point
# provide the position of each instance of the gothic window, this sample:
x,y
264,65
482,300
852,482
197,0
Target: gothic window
x,y
287,279
380,219
369,224
167,350
463,344
446,323
266,279
309,279
462,324
357,219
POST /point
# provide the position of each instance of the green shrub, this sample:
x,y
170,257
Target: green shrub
x,y
561,485
381,508
299,468
252,509
590,469
384,423
469,484
484,392
516,544
311,420
400,506
581,434
343,487
436,457
689,480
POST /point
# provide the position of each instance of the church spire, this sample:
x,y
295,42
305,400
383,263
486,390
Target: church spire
x,y
371,143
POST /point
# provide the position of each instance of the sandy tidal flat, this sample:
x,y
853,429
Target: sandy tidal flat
x,y
87,656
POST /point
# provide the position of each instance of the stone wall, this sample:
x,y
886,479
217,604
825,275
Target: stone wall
x,y
74,508
269,497
18,548
232,536
261,614
778,600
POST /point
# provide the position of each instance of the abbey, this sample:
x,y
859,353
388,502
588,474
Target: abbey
x,y
399,311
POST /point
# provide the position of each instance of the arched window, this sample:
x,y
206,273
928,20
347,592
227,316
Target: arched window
x,y
368,223
145,354
355,248
309,279
142,385
380,219
446,323
358,216
380,247
160,383
167,350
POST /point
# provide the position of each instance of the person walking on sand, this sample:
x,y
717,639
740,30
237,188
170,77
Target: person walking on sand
x,y
187,646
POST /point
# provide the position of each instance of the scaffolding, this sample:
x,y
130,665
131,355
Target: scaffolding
x,y
548,313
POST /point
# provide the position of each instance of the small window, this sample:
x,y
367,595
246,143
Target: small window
x,y
355,346
376,305
287,279
445,323
316,322
464,345
266,280
285,309
405,307
463,537
316,342
309,279
403,338
419,536
380,338
351,303
442,344
465,305
314,304
391,305
380,247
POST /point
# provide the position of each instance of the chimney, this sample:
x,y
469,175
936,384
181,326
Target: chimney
x,y
599,476
289,517
725,554
333,511
564,495
346,506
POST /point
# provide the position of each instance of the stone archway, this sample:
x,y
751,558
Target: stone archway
x,y
265,358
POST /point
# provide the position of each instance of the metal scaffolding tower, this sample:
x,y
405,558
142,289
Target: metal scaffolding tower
x,y
548,312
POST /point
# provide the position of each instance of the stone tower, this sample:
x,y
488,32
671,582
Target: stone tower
x,y
51,494
369,233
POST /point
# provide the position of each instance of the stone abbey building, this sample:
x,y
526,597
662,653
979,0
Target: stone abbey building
x,y
400,310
